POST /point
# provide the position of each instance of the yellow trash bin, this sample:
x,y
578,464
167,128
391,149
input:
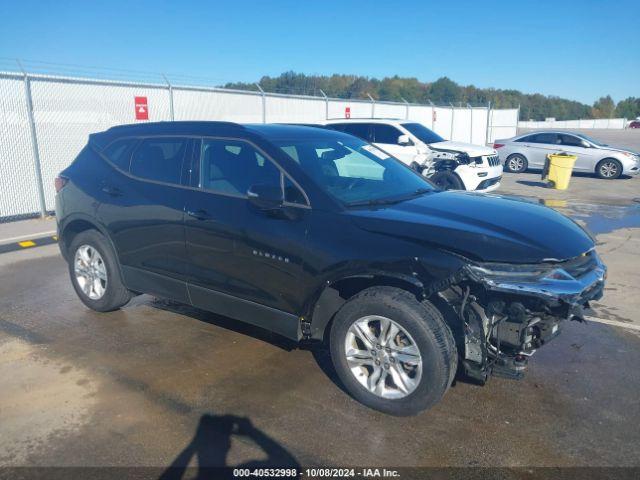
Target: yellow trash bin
x,y
560,169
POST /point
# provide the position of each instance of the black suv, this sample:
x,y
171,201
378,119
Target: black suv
x,y
320,236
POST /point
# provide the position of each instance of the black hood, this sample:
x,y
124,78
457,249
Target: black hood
x,y
481,227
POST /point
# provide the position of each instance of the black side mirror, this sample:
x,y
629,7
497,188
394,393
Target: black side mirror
x,y
265,197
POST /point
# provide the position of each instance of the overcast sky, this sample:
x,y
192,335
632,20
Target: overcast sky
x,y
575,49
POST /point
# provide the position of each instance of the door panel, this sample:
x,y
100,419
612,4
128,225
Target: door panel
x,y
386,137
213,232
232,247
541,145
144,217
587,159
406,154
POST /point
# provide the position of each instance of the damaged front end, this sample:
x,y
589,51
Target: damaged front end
x,y
508,311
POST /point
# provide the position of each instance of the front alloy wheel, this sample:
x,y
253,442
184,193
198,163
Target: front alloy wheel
x,y
383,357
90,271
391,351
609,169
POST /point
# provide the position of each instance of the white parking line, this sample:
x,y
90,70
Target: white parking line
x,y
29,237
614,323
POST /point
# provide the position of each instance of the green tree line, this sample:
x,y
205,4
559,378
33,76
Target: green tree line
x,y
442,92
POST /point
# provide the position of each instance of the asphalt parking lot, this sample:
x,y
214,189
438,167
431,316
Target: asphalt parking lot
x,y
160,384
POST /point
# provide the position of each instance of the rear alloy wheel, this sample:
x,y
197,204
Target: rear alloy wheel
x,y
609,169
90,271
95,273
447,180
516,163
392,352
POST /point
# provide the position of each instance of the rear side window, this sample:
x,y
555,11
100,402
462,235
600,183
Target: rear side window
x,y
360,130
159,159
119,152
528,138
232,166
385,134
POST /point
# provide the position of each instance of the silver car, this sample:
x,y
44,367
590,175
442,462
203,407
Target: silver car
x,y
531,149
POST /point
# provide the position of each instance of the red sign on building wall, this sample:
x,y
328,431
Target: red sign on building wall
x,y
347,112
142,108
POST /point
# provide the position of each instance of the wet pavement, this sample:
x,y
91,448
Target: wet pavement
x,y
159,383
133,387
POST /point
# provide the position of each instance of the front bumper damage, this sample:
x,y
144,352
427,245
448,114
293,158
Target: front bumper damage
x,y
505,321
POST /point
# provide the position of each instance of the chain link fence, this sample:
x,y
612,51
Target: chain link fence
x,y
46,117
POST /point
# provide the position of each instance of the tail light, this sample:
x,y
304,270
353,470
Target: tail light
x,y
498,145
60,182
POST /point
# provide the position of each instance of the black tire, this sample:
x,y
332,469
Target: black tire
x,y
609,169
516,163
447,180
115,294
428,330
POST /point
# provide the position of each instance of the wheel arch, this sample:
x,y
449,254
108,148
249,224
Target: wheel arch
x,y
76,224
336,292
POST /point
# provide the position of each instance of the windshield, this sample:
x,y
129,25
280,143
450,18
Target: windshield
x,y
423,133
354,172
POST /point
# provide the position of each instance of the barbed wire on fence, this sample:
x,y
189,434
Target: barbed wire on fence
x,y
17,66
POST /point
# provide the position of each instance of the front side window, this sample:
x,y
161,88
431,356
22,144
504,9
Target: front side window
x,y
159,159
353,171
232,166
387,134
571,141
591,140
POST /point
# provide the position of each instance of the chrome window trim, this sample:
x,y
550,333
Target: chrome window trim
x,y
141,138
267,157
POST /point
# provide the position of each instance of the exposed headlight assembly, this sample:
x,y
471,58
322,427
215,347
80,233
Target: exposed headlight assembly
x,y
506,272
549,281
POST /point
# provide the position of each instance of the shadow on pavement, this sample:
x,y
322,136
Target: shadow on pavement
x,y
211,444
224,322
529,183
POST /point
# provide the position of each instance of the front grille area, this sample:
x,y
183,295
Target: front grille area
x,y
577,267
493,160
